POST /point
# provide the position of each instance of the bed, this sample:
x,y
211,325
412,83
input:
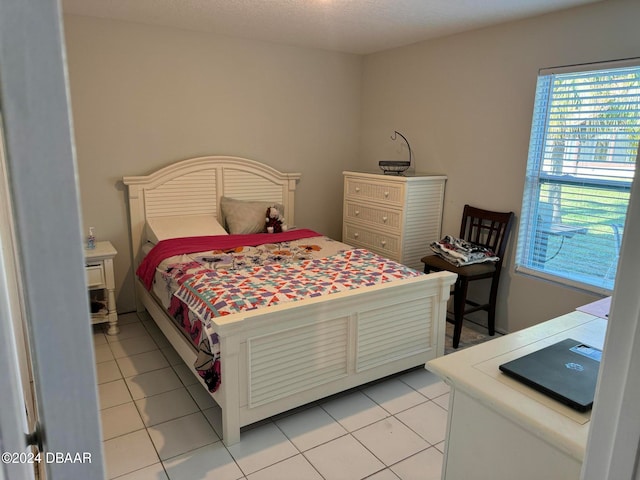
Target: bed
x,y
288,354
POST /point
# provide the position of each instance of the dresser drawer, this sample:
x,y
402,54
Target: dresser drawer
x,y
383,244
380,191
95,275
381,217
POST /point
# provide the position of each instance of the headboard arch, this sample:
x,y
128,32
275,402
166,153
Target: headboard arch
x,y
195,186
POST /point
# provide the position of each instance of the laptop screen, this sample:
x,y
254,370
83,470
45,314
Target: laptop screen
x,y
566,371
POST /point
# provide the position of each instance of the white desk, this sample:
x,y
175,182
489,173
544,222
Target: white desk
x,y
499,428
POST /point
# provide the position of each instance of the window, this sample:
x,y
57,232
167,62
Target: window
x,y
582,159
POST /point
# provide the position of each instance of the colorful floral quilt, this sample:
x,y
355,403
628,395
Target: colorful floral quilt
x,y
214,293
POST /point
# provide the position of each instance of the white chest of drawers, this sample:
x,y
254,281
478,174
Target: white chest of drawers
x,y
393,216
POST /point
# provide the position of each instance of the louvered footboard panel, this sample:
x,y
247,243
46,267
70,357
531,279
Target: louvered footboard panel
x,y
394,332
285,363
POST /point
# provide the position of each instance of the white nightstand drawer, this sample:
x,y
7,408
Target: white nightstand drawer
x,y
95,275
383,244
371,190
381,217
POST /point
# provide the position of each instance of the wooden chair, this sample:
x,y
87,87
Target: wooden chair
x,y
491,230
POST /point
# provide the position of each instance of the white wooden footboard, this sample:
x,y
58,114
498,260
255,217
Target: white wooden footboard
x,y
297,353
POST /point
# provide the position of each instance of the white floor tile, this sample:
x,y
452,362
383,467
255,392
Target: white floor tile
x,y
426,465
152,472
99,338
120,420
141,363
214,417
310,428
126,318
202,396
102,353
385,474
185,375
428,420
129,330
172,356
113,393
128,453
392,422
354,410
153,383
261,447
425,382
156,334
182,435
166,406
132,346
211,462
294,468
394,396
343,458
390,440
443,400
107,372
144,316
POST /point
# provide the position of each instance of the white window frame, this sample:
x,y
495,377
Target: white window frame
x,y
529,261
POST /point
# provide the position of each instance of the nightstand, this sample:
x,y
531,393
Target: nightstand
x,y
101,284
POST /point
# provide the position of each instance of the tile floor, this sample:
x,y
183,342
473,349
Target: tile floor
x,y
159,423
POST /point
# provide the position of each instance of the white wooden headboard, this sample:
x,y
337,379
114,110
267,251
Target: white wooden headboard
x,y
195,186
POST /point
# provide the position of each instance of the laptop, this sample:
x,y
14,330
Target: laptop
x,y
566,371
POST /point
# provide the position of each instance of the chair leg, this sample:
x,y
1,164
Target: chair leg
x,y
493,297
459,301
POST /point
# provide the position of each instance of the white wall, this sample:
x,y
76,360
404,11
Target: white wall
x,y
465,103
143,97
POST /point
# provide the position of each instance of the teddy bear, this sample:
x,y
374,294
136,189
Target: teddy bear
x,y
274,221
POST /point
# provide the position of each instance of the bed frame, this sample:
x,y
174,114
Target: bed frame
x,y
291,354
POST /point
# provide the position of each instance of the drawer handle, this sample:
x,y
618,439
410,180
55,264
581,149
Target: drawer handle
x,y
357,212
383,243
356,235
384,219
386,194
357,189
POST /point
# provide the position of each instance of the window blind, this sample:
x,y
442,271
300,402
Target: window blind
x,y
582,159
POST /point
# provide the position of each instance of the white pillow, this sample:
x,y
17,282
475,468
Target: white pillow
x,y
164,228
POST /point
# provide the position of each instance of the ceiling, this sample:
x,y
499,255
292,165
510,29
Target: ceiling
x,y
351,26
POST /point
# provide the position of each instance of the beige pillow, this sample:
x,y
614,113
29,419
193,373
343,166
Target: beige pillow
x,y
245,216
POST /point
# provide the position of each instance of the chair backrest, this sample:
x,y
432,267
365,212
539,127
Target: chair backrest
x,y
487,228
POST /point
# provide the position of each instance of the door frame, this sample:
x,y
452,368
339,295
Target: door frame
x,y
40,161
